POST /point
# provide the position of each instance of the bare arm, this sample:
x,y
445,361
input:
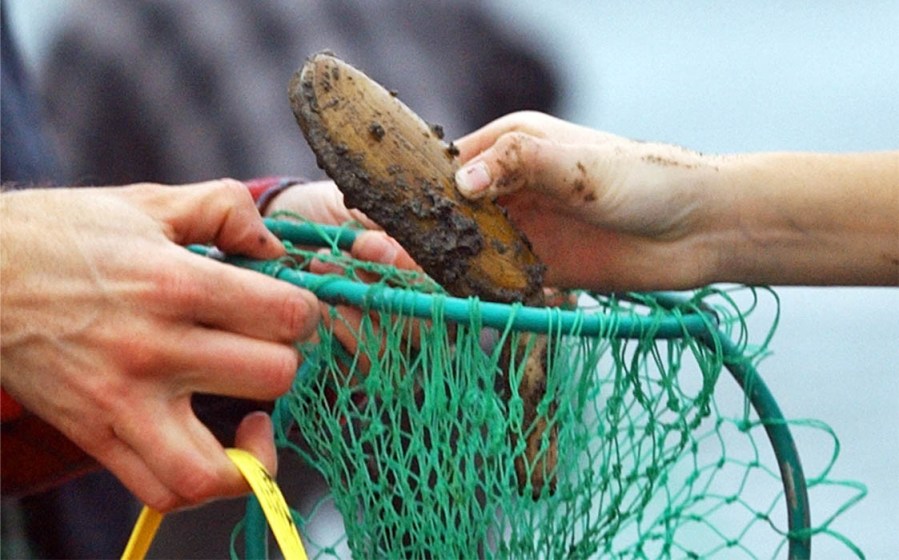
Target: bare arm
x,y
612,213
813,219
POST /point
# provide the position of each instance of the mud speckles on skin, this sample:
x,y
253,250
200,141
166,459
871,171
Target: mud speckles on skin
x,y
508,178
376,130
452,150
511,171
580,183
666,161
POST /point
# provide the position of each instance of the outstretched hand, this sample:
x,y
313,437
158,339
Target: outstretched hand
x,y
600,210
609,213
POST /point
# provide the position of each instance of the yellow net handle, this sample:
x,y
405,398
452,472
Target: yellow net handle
x,y
267,492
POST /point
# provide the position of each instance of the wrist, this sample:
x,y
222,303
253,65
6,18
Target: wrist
x,y
749,223
719,230
696,220
805,218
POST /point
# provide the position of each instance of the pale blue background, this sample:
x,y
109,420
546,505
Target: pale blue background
x,y
758,76
743,76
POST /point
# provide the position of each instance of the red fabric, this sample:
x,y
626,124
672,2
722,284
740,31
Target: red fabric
x,y
10,409
265,189
36,456
259,186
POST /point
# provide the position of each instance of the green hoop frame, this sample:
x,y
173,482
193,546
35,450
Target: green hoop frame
x,y
699,324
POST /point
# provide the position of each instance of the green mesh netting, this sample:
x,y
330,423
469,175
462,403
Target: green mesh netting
x,y
407,404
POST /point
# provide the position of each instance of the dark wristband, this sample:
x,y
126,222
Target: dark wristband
x,y
265,189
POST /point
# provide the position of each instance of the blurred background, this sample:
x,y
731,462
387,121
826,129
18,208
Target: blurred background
x,y
728,77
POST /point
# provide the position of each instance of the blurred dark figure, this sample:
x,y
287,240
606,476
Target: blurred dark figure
x,y
176,91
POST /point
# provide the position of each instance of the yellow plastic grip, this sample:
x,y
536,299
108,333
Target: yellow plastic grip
x,y
142,534
267,492
272,501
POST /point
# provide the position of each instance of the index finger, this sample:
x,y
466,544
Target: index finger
x,y
234,299
220,212
529,122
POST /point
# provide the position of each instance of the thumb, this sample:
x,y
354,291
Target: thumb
x,y
220,212
255,434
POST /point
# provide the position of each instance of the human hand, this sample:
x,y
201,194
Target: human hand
x,y
322,202
601,211
609,213
109,326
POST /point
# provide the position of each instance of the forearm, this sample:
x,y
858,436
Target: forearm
x,y
810,219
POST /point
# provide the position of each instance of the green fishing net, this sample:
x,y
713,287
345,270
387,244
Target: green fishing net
x,y
655,437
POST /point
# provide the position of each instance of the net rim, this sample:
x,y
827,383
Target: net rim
x,y
680,317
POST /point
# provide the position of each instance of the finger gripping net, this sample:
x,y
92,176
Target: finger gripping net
x,y
416,416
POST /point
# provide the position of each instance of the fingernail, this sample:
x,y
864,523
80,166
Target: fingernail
x,y
473,179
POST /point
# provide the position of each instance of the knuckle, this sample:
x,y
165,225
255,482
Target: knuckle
x,y
516,148
532,122
197,484
520,120
175,285
163,501
140,355
515,153
241,194
228,194
233,188
144,189
531,116
100,441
